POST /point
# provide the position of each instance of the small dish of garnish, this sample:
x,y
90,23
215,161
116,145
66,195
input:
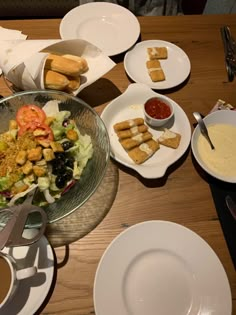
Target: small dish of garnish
x,y
158,111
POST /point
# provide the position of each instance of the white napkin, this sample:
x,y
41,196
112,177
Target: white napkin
x,y
8,34
22,61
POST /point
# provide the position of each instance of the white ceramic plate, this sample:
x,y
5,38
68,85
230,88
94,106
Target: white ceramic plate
x,y
111,27
176,67
33,291
160,267
130,105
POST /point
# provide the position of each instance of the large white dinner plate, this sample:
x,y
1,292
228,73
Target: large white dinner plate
x,y
176,67
160,267
130,105
111,27
33,291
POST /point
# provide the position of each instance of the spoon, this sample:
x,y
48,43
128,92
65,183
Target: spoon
x,y
203,128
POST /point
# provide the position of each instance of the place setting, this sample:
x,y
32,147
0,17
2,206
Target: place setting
x,y
154,262
26,262
213,149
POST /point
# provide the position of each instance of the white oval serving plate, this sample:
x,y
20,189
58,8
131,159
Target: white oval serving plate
x,y
130,105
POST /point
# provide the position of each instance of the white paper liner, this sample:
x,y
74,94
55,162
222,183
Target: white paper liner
x,y
22,61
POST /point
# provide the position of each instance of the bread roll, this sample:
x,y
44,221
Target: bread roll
x,y
63,65
54,80
83,62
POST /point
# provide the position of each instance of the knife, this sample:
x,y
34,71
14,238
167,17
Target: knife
x,y
231,206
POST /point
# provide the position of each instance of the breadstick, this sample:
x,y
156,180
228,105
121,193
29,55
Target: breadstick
x,y
63,65
128,133
128,124
82,61
74,83
54,80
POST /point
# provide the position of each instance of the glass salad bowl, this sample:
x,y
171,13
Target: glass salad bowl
x,y
93,153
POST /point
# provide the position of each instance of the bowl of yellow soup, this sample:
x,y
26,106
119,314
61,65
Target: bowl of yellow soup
x,y
220,162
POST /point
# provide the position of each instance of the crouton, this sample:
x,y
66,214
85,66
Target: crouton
x,y
35,154
21,157
39,171
72,135
27,167
56,146
48,154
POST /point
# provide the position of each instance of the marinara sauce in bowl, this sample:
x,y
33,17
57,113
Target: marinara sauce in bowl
x,y
158,111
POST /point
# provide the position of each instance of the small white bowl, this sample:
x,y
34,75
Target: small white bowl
x,y
158,122
227,117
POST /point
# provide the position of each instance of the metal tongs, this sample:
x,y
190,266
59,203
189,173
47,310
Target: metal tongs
x,y
12,233
230,51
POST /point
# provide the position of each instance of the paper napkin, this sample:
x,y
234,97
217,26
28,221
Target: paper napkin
x,y
22,61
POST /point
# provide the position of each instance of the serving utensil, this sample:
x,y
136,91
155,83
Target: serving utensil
x,y
203,128
231,206
12,233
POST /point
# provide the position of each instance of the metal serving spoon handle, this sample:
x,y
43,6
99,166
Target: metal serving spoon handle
x,y
203,128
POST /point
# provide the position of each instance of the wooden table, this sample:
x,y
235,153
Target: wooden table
x,y
183,197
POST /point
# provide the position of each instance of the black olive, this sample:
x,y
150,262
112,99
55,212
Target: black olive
x,y
58,166
67,145
68,174
60,156
69,161
60,181
63,178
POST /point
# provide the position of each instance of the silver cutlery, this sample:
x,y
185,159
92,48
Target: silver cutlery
x,y
231,206
230,52
203,128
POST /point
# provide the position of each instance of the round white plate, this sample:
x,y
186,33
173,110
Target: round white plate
x,y
33,291
130,105
176,67
110,27
160,267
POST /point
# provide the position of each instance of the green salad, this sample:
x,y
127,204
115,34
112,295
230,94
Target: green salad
x,y
44,150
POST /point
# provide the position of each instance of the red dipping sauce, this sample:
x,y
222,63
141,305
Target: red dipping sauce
x,y
157,109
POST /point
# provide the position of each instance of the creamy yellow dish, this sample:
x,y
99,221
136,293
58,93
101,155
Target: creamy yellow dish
x,y
222,160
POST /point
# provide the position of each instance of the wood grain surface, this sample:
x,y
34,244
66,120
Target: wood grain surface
x,y
182,196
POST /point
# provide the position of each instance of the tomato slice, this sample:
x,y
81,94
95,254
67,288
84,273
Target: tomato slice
x,y
28,114
40,130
